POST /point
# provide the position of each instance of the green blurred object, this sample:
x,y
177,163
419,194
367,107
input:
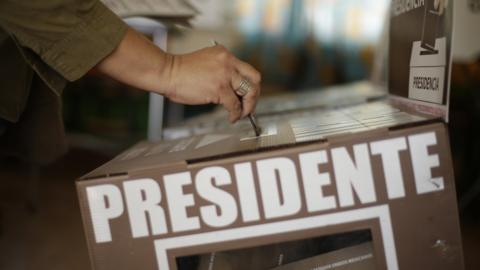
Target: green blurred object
x,y
106,109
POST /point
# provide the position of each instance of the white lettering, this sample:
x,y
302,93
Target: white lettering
x,y
392,168
313,181
179,201
139,208
402,6
246,192
279,187
209,191
353,175
221,203
423,163
105,203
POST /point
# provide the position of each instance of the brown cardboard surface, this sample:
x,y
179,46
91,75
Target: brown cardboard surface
x,y
278,131
408,215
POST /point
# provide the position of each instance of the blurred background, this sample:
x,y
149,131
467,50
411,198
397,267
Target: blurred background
x,y
296,45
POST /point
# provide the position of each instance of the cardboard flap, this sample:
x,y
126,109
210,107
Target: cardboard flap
x,y
278,132
420,55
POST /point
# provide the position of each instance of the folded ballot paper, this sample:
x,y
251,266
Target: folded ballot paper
x,y
165,9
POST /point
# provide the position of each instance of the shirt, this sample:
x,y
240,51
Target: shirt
x,y
43,45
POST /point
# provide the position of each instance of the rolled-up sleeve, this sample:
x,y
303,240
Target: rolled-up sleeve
x,y
69,36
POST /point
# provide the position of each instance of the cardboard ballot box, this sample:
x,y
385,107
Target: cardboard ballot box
x,y
145,209
275,107
359,186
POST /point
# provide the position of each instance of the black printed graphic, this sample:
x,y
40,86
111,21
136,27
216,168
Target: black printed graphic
x,y
420,48
429,33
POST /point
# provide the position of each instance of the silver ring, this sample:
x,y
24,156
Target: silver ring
x,y
244,87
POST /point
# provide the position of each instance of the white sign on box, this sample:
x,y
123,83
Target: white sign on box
x,y
427,72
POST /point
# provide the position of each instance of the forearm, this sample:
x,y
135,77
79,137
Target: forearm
x,y
209,75
138,63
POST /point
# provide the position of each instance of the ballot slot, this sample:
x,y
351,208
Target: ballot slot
x,y
347,250
284,107
280,131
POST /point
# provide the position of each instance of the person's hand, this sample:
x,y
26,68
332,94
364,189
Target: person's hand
x,y
206,76
212,75
440,5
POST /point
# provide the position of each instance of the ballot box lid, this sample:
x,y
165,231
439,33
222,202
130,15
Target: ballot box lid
x,y
314,126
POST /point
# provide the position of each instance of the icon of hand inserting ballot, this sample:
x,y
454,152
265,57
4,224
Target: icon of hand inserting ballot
x,y
428,60
434,9
440,6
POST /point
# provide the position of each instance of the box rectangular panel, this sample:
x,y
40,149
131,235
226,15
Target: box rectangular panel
x,y
395,183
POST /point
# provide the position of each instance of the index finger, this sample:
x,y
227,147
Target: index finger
x,y
249,101
247,71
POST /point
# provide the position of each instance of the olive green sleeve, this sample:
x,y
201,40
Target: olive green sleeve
x,y
62,38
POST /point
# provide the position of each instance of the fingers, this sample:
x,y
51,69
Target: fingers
x,y
443,6
236,81
249,101
247,71
232,103
234,71
440,5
